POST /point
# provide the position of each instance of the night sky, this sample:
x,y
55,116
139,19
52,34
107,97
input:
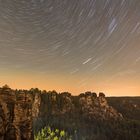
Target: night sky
x,y
71,45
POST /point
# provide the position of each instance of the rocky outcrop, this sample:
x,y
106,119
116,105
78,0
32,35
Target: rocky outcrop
x,y
94,107
87,104
21,109
17,109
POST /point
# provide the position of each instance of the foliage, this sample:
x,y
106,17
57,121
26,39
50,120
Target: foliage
x,y
128,106
47,133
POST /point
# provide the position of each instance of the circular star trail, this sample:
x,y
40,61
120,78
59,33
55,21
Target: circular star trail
x,y
71,45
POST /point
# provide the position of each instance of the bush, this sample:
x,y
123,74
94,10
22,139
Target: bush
x,y
47,133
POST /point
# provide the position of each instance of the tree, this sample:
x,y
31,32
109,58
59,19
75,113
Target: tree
x,y
6,87
101,94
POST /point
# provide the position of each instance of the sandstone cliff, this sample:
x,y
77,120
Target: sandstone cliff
x,y
17,109
20,110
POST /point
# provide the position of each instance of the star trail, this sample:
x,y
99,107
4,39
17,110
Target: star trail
x,y
71,45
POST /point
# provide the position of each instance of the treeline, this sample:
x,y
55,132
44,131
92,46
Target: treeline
x,y
95,130
128,106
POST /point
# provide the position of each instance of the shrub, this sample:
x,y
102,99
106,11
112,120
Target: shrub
x,y
47,133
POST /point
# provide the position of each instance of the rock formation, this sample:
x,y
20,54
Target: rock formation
x,y
19,109
94,107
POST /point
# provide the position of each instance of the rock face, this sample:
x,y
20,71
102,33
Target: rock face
x,y
94,107
20,109
17,110
88,104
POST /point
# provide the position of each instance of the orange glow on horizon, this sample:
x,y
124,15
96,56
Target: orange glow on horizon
x,y
61,83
